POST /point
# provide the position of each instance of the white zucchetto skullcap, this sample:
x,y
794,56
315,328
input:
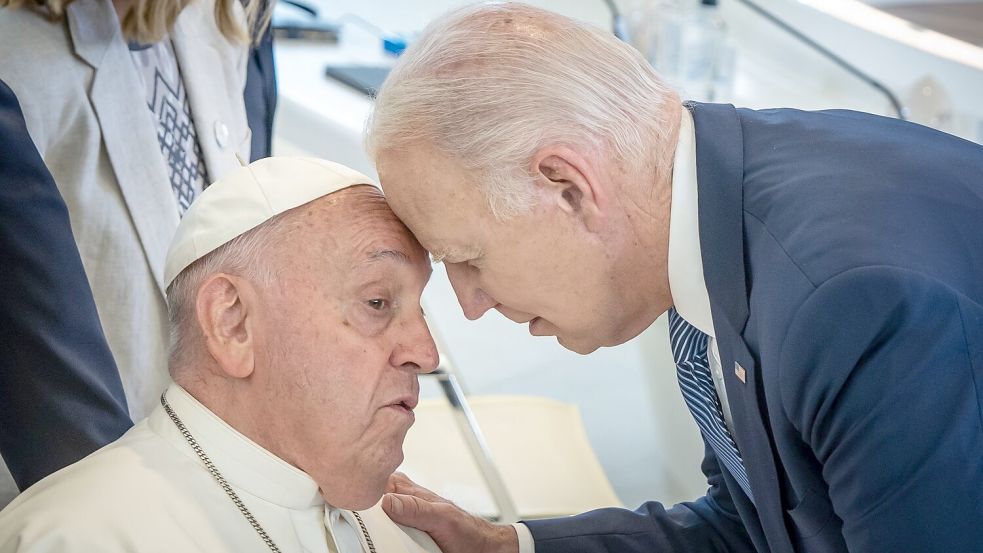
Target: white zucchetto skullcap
x,y
248,197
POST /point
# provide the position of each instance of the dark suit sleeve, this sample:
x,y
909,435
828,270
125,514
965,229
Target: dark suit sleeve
x,y
60,392
892,411
709,524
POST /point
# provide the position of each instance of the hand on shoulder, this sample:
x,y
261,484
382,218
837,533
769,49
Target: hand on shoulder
x,y
454,530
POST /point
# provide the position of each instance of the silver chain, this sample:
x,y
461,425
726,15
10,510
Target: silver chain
x,y
228,489
365,532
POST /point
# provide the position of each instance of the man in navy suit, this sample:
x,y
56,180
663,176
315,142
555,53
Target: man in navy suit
x,y
60,391
822,273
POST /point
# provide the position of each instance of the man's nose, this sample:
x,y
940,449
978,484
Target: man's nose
x,y
416,349
464,279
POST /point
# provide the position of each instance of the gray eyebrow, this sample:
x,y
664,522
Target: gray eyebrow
x,y
393,255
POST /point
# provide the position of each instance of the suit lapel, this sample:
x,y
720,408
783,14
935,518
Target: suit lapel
x,y
128,129
720,175
216,101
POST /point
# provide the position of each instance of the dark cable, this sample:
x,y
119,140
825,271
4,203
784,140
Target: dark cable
x,y
311,10
850,68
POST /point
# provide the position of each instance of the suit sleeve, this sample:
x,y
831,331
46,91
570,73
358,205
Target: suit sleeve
x,y
892,410
60,392
709,524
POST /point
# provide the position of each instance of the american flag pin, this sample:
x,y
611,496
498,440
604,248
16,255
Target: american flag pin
x,y
740,372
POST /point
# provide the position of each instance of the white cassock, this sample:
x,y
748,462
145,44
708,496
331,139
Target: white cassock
x,y
149,492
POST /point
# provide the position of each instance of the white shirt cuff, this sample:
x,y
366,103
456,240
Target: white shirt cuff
x,y
526,543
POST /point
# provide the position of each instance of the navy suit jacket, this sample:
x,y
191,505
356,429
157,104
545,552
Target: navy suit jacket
x,y
843,254
60,392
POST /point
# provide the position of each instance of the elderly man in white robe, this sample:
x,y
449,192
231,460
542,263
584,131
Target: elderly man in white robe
x,y
294,298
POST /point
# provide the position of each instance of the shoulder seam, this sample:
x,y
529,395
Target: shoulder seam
x,y
782,247
969,360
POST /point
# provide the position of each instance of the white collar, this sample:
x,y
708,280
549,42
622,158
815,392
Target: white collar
x,y
686,282
243,462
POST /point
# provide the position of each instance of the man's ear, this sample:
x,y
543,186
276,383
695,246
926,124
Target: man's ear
x,y
226,310
572,183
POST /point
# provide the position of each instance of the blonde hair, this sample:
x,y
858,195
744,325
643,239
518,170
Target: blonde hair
x,y
149,21
489,85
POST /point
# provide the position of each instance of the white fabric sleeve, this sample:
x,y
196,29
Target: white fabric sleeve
x,y
526,543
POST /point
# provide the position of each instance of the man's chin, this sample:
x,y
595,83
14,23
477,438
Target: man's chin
x,y
361,486
365,497
362,503
580,347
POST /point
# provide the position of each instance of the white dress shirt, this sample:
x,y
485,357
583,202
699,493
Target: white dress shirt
x,y
149,492
686,282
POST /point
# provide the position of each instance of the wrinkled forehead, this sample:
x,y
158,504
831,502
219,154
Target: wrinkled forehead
x,y
367,229
346,240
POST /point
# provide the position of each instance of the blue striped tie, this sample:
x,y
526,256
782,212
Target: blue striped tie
x,y
689,348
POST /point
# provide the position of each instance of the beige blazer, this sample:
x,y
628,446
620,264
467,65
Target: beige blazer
x,y
85,106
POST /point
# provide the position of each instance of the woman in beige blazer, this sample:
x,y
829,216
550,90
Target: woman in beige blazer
x,y
85,103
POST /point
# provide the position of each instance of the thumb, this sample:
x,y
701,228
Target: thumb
x,y
409,510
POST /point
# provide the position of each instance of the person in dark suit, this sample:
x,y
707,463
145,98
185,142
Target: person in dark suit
x,y
821,273
62,396
60,392
260,93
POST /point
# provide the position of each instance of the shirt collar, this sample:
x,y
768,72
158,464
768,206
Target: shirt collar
x,y
686,283
243,462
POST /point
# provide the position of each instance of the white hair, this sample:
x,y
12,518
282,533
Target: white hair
x,y
246,255
489,85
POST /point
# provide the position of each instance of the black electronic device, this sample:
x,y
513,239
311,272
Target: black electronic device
x,y
366,79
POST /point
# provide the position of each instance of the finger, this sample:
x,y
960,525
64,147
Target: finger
x,y
454,530
410,510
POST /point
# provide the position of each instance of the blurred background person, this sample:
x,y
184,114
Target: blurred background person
x,y
60,393
133,105
260,93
